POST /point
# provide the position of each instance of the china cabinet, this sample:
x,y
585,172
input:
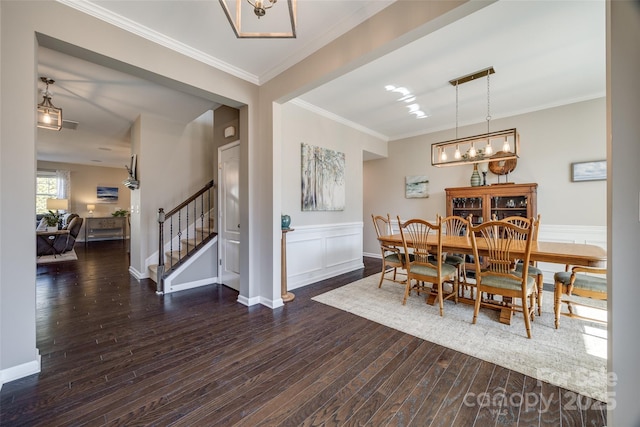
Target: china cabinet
x,y
499,200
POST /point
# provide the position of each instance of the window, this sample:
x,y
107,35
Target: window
x,y
50,185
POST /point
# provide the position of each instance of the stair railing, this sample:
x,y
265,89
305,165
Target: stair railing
x,y
190,221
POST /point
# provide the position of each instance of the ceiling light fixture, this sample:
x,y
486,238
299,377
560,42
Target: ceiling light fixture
x,y
470,154
285,26
49,116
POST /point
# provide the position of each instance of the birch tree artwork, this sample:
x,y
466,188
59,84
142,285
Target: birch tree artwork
x,y
323,186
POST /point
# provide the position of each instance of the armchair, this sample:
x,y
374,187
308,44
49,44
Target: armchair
x,y
60,241
586,282
392,257
498,277
426,265
457,226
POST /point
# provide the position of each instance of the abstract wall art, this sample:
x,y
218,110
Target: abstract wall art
x,y
416,186
323,179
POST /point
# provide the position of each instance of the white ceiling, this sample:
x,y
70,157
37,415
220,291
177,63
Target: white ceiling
x,y
544,53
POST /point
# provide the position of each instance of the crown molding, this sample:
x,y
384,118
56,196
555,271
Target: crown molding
x,y
128,25
331,116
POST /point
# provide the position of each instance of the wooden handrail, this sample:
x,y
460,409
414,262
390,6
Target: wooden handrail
x,y
204,236
184,204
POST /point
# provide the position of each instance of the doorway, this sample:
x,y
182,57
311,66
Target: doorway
x,y
229,215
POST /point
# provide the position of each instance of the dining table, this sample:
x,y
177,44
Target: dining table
x,y
564,253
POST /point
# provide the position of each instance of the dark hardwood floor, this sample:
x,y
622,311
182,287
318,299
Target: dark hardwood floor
x,y
115,353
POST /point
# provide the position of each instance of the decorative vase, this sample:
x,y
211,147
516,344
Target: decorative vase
x,y
476,181
286,221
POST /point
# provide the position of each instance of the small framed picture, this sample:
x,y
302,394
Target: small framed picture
x,y
589,171
107,193
416,186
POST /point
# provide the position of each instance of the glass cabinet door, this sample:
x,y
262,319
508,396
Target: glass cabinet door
x,y
465,206
506,206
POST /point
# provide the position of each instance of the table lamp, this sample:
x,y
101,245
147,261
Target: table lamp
x,y
91,208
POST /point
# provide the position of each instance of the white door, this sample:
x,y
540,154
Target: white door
x,y
229,215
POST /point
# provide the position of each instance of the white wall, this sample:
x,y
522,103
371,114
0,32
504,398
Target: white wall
x,y
300,125
174,161
623,91
325,243
550,141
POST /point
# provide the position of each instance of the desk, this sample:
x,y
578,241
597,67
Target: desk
x,y
553,252
49,237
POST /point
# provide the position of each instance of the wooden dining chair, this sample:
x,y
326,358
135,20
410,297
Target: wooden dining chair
x,y
392,257
500,241
534,271
426,266
588,282
455,225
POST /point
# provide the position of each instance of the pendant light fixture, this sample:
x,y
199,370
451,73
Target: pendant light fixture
x,y
465,148
281,23
49,116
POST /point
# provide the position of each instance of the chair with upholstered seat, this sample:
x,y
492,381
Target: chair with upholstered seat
x,y
457,226
425,265
534,271
588,282
65,242
500,241
392,257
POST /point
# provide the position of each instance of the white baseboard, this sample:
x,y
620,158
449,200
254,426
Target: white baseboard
x,y
272,303
20,371
137,274
190,285
249,301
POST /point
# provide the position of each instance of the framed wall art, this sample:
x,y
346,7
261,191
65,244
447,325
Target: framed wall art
x,y
107,193
589,171
416,187
323,179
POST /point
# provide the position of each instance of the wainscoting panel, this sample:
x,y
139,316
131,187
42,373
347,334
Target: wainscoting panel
x,y
318,252
343,250
302,255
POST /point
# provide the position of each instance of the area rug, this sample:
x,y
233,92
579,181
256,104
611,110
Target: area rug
x,y
572,357
67,256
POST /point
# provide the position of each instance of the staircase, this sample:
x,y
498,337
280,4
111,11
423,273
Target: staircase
x,y
187,244
174,258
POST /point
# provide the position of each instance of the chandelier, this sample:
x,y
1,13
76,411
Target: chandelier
x,y
281,22
478,148
49,116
